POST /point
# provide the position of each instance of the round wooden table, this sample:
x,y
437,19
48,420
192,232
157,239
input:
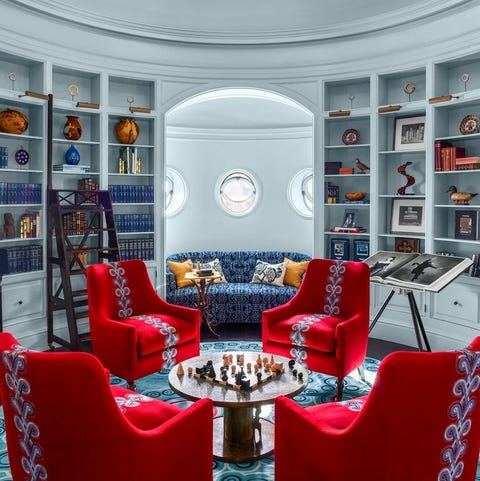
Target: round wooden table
x,y
240,435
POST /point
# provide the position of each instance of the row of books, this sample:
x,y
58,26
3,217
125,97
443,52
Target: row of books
x,y
75,223
15,260
448,157
30,225
332,193
123,194
340,249
134,222
20,193
137,249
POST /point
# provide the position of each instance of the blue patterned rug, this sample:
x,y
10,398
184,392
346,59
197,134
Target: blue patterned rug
x,y
320,389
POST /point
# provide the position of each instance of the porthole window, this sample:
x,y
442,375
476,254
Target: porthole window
x,y
236,192
176,192
300,192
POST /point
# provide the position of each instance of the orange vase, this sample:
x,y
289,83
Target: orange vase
x,y
72,130
127,131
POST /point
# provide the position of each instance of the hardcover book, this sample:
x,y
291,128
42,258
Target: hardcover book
x,y
340,249
361,249
427,272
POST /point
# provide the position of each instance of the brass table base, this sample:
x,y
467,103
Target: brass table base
x,y
240,437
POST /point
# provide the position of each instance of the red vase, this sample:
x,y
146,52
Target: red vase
x,y
72,130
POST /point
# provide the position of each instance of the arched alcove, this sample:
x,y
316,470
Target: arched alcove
x,y
257,131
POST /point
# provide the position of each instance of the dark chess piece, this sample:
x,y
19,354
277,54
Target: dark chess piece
x,y
291,363
259,376
211,373
361,166
410,179
224,376
9,226
460,198
300,376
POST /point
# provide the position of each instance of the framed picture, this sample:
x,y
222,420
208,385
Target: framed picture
x,y
466,224
409,133
361,249
349,218
405,244
340,249
408,215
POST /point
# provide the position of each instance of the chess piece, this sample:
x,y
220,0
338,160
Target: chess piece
x,y
190,371
361,166
180,370
460,198
249,367
259,360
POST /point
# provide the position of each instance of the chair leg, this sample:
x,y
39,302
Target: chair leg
x,y
340,385
131,385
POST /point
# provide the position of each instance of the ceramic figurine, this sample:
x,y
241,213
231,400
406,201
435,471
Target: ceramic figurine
x,y
72,130
361,166
72,156
410,179
460,198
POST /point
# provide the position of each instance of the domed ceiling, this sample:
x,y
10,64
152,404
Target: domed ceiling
x,y
242,22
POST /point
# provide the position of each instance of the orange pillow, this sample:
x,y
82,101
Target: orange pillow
x,y
294,272
179,269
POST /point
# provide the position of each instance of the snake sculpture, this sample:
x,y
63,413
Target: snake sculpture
x,y
410,179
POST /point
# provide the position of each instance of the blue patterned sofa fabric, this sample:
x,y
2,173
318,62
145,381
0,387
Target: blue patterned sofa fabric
x,y
237,301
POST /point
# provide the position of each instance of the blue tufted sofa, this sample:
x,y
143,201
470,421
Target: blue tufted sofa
x,y
237,301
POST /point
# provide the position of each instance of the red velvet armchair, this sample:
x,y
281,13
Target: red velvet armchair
x,y
420,422
325,325
135,332
64,422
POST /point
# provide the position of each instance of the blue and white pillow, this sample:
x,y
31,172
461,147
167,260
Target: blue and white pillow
x,y
216,267
271,274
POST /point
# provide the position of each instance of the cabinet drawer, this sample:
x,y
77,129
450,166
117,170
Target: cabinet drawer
x,y
21,300
457,303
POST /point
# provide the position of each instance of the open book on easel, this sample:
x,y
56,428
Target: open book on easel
x,y
427,272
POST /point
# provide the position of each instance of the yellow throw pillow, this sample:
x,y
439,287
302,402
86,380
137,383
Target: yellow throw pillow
x,y
180,269
294,272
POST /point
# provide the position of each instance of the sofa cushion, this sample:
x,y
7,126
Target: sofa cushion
x,y
216,266
179,269
294,272
155,332
311,330
271,274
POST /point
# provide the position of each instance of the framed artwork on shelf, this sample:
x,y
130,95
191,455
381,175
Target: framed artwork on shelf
x,y
349,218
361,249
405,244
408,216
466,224
340,249
409,133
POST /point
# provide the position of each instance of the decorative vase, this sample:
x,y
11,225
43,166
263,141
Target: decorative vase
x,y
127,131
72,156
13,122
72,130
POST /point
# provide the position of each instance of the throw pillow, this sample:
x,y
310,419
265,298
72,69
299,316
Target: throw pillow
x,y
216,266
179,269
294,273
271,274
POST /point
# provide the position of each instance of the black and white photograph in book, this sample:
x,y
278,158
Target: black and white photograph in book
x,y
408,215
429,272
466,224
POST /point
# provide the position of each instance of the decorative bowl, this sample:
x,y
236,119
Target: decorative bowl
x,y
13,122
355,195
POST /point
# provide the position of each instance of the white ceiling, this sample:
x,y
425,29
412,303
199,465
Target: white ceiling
x,y
246,21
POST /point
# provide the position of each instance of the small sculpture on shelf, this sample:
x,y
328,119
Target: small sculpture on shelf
x,y
361,166
410,179
460,198
127,131
13,122
409,88
72,156
72,130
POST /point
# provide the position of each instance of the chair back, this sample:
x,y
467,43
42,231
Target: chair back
x,y
423,416
117,290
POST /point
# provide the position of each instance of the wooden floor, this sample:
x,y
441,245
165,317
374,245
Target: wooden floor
x,y
377,348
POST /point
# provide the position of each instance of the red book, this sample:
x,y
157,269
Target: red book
x,y
467,160
439,145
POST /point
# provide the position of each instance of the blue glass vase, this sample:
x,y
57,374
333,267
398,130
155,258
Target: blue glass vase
x,y
72,156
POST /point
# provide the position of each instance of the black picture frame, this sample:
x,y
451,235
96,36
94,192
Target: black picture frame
x,y
349,218
466,224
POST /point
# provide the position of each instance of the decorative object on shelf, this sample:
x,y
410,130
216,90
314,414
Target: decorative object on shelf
x,y
73,90
469,124
465,78
12,76
466,224
410,179
3,157
22,156
361,249
13,122
355,196
340,249
459,198
350,137
72,156
127,131
351,98
143,110
361,166
409,88
409,133
9,226
72,130
407,245
349,218
408,216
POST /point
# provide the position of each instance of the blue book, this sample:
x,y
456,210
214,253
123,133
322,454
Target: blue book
x,y
340,249
361,249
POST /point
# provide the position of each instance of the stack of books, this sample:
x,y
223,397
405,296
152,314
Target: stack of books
x,y
74,169
467,163
349,230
